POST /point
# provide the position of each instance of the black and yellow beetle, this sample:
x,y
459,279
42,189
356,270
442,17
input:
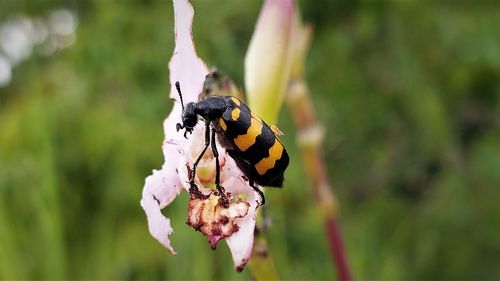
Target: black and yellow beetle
x,y
253,145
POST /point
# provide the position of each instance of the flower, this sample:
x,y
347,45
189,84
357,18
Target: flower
x,y
272,43
240,238
231,217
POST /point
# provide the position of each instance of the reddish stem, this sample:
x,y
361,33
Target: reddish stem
x,y
337,249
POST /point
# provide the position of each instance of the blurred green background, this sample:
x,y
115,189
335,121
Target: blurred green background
x,y
409,92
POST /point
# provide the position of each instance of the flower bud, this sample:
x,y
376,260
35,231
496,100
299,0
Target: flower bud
x,y
269,58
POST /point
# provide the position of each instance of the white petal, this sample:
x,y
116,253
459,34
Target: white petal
x,y
241,243
189,70
169,125
160,189
185,65
233,182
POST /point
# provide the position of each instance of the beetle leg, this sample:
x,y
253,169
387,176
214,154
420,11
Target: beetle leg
x,y
220,189
262,198
207,143
188,130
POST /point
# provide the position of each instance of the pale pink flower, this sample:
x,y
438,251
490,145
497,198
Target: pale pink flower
x,y
234,222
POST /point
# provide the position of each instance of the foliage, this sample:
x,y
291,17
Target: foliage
x,y
409,93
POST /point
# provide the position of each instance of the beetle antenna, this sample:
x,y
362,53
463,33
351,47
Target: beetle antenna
x,y
178,87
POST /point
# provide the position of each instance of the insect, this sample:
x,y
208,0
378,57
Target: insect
x,y
253,145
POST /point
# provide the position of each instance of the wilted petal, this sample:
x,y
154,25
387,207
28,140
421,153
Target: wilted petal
x,y
213,217
269,58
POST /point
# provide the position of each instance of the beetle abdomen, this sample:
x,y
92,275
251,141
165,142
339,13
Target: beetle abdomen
x,y
253,145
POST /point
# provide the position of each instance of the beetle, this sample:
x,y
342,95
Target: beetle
x,y
254,145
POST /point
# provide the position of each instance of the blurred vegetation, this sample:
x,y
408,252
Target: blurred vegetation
x,y
409,92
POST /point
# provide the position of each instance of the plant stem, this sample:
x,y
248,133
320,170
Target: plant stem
x,y
337,249
261,262
310,137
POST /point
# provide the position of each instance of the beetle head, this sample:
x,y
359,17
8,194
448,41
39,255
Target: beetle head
x,y
189,117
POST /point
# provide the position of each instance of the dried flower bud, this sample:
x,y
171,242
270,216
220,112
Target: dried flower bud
x,y
214,217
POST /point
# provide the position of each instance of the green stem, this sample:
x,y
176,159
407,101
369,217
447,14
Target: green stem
x,y
261,262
